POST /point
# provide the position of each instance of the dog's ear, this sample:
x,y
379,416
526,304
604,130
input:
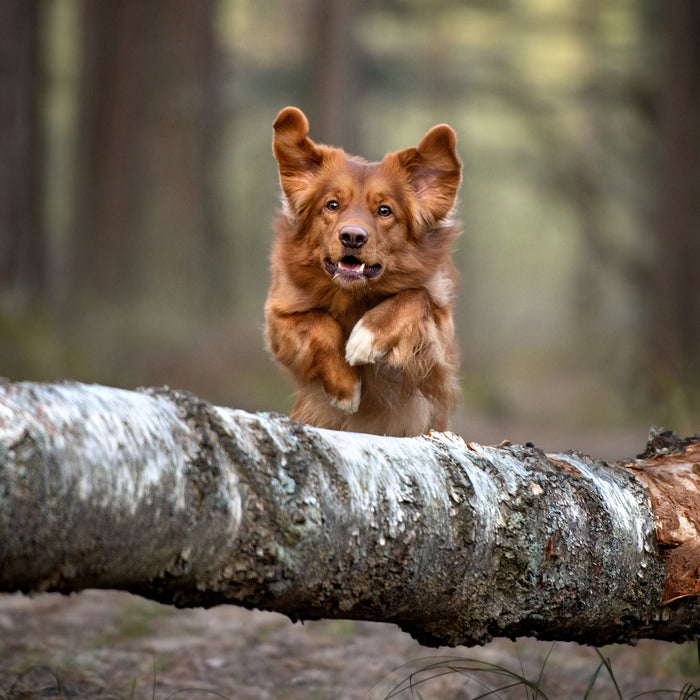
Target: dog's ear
x,y
434,172
297,156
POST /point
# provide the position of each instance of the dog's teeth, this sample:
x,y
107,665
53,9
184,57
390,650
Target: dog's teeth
x,y
362,267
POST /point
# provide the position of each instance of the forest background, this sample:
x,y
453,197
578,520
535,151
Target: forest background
x,y
137,191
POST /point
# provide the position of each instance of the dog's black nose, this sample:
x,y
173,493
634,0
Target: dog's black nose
x,y
353,236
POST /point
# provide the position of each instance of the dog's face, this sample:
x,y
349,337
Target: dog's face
x,y
366,226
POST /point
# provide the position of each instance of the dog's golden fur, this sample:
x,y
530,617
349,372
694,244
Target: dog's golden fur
x,y
360,304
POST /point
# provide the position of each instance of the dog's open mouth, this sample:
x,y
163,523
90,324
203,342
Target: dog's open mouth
x,y
350,267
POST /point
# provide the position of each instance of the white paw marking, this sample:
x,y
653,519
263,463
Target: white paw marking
x,y
349,405
360,348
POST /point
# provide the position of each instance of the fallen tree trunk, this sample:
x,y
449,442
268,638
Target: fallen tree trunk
x,y
159,493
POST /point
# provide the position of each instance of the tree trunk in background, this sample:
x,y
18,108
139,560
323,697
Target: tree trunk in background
x,y
675,322
22,265
147,114
336,63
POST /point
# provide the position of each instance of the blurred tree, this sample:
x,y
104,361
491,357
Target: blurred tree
x,y
336,61
606,173
144,225
675,314
22,264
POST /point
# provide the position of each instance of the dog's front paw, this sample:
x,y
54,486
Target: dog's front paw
x,y
348,404
362,347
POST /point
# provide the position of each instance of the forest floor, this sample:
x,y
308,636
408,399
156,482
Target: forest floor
x,y
108,645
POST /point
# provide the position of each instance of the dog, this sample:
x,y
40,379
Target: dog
x,y
359,309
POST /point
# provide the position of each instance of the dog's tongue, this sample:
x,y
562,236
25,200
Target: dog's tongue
x,y
351,266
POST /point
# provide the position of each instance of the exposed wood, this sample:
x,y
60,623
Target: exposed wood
x,y
159,493
670,472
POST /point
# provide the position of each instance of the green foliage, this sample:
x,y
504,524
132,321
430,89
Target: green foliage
x,y
33,346
134,621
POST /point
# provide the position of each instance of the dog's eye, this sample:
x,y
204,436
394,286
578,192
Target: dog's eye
x,y
332,205
384,210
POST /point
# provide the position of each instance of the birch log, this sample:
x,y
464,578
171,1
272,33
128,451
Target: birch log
x,y
162,494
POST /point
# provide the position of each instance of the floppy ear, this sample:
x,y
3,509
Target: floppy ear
x,y
434,172
297,156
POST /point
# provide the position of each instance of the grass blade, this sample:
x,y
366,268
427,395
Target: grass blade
x,y
608,668
591,682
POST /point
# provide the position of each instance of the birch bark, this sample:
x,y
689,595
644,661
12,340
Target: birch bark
x,y
162,494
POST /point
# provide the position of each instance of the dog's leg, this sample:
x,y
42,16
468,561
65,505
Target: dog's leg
x,y
412,334
398,330
311,345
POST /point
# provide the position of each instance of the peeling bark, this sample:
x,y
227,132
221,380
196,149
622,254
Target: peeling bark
x,y
670,472
161,494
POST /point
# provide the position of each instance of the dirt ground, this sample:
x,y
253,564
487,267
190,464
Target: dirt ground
x,y
108,644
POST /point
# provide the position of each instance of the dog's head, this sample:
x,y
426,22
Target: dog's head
x,y
381,226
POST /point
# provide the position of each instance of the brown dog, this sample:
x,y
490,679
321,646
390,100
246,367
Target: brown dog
x,y
360,305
